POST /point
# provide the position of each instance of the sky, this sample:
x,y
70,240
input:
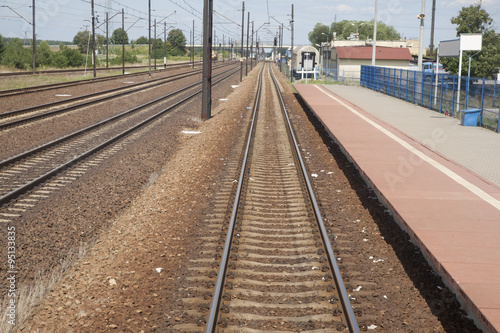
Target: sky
x,y
62,19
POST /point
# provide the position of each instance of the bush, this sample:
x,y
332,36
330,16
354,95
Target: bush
x,y
75,58
16,55
58,60
129,58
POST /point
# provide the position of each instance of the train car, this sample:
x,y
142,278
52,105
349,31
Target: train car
x,y
304,62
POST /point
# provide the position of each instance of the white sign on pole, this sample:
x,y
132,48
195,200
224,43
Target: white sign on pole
x,y
471,42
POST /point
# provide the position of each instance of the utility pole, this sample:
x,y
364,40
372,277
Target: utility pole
x,y
291,62
192,45
34,40
251,49
223,47
123,41
246,53
154,43
165,45
107,41
242,36
206,111
374,48
93,37
431,47
421,37
149,32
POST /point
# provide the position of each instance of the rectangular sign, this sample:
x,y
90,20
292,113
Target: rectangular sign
x,y
471,42
449,48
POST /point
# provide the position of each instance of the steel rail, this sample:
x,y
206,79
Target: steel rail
x,y
76,70
216,299
28,186
94,126
27,90
346,304
125,90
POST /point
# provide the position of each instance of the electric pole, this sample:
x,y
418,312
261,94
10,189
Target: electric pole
x,y
93,37
242,36
34,40
431,47
246,53
206,111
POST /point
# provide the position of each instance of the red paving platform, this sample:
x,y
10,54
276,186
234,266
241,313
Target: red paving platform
x,y
452,214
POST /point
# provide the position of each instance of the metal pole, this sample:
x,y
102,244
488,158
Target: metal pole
x,y
421,38
242,36
154,43
93,37
34,39
431,46
107,40
192,45
123,41
223,47
251,48
149,39
374,46
206,111
291,61
246,53
459,79
165,45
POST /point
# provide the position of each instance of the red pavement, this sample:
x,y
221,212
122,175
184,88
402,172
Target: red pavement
x,y
452,214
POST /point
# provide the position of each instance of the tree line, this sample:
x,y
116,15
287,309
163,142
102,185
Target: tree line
x,y
14,54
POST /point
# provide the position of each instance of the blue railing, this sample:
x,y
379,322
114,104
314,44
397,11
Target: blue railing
x,y
444,93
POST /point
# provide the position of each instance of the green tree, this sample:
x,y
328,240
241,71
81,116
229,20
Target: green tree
x,y
43,54
15,55
75,58
81,40
474,19
142,40
320,34
176,42
345,28
159,46
58,60
2,47
117,36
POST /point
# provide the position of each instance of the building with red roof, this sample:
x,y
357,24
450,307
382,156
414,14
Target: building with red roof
x,y
347,60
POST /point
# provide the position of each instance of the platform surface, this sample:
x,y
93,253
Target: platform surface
x,y
440,179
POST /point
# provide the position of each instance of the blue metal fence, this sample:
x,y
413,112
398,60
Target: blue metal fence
x,y
444,93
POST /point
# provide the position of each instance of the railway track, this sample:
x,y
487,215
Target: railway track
x,y
277,270
22,116
22,173
27,90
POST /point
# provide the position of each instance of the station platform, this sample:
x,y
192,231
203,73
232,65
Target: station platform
x,y
441,181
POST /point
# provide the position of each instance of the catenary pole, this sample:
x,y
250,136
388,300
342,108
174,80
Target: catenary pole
x,y
93,37
207,60
34,40
374,46
242,36
123,41
149,39
107,40
291,61
246,53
